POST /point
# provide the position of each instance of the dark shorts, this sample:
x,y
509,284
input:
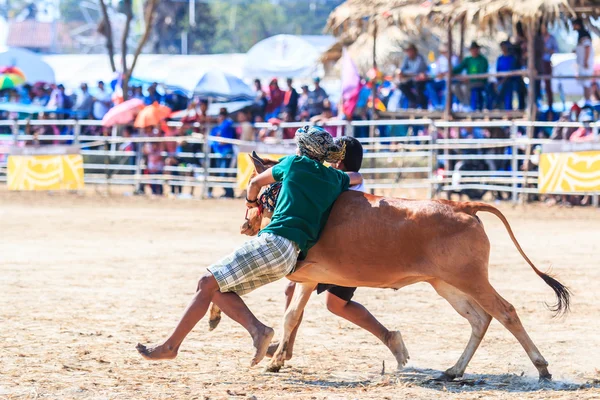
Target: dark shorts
x,y
344,293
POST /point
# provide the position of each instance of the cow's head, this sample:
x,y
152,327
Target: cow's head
x,y
259,217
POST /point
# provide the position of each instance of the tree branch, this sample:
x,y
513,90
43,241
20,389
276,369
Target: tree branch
x,y
149,19
106,30
125,70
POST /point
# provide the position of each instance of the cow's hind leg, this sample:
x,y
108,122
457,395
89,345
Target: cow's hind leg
x,y
483,293
215,317
290,321
477,317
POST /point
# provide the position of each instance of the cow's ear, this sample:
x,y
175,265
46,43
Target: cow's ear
x,y
259,165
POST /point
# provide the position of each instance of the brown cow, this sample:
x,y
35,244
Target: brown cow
x,y
372,241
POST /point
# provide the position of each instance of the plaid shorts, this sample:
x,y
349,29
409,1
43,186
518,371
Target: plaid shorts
x,y
264,259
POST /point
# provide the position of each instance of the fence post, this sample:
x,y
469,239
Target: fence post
x,y
138,187
106,170
206,165
15,132
432,160
349,129
514,164
113,145
76,132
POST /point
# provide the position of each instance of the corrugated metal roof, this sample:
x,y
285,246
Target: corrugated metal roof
x,y
38,35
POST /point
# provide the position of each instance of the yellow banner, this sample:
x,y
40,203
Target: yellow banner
x,y
246,168
570,172
45,172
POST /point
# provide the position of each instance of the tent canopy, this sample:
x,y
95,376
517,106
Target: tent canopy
x,y
32,65
172,70
286,56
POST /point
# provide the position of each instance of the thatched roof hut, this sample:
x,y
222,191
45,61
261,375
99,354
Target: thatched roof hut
x,y
498,14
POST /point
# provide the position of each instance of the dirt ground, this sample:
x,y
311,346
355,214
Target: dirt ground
x,y
85,277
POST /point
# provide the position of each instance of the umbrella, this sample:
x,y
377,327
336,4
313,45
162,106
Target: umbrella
x,y
32,64
11,77
123,113
152,115
221,85
12,70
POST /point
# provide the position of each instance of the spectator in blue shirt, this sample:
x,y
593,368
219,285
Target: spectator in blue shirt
x,y
223,130
153,95
506,86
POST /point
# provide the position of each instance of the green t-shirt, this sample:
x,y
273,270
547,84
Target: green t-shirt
x,y
473,66
308,191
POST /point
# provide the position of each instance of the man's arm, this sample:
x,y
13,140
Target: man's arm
x,y
255,184
586,58
355,178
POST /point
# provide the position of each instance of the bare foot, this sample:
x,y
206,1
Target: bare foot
x,y
261,343
157,352
273,348
396,345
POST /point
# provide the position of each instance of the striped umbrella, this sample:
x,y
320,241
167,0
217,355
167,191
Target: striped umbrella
x,y
11,77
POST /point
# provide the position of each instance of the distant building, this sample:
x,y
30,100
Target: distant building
x,y
40,37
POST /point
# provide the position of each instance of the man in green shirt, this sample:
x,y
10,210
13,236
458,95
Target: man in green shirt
x,y
475,64
307,194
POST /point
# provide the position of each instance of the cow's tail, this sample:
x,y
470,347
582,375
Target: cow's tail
x,y
563,294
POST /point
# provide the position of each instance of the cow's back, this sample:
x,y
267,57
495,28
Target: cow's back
x,y
378,241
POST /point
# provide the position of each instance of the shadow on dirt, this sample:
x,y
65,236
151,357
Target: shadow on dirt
x,y
426,378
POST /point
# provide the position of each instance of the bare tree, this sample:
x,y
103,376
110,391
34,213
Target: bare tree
x,y
105,29
127,69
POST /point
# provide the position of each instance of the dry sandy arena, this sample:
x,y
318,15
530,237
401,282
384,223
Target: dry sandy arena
x,y
85,277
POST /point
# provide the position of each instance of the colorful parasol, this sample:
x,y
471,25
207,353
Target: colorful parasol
x,y
123,113
152,115
11,77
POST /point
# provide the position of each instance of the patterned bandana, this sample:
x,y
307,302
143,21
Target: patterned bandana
x,y
317,144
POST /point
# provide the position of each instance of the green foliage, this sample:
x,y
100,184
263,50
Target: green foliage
x,y
70,11
243,23
173,19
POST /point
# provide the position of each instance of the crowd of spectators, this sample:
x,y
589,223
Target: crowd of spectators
x,y
423,86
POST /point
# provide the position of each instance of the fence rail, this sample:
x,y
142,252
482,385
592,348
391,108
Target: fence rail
x,y
426,161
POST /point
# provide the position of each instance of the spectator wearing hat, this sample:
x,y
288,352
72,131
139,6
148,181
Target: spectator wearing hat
x,y
290,100
437,88
506,85
584,53
476,63
316,98
413,77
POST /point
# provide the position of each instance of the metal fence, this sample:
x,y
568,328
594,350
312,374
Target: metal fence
x,y
399,154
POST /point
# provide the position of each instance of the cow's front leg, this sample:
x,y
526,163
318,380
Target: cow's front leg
x,y
290,321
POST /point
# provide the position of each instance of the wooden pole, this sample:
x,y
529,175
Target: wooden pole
x,y
373,93
463,27
531,103
448,107
448,94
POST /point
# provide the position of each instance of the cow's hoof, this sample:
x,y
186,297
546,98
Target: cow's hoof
x,y
273,368
213,323
546,378
445,377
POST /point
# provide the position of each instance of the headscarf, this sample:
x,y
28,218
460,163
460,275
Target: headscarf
x,y
317,144
582,32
